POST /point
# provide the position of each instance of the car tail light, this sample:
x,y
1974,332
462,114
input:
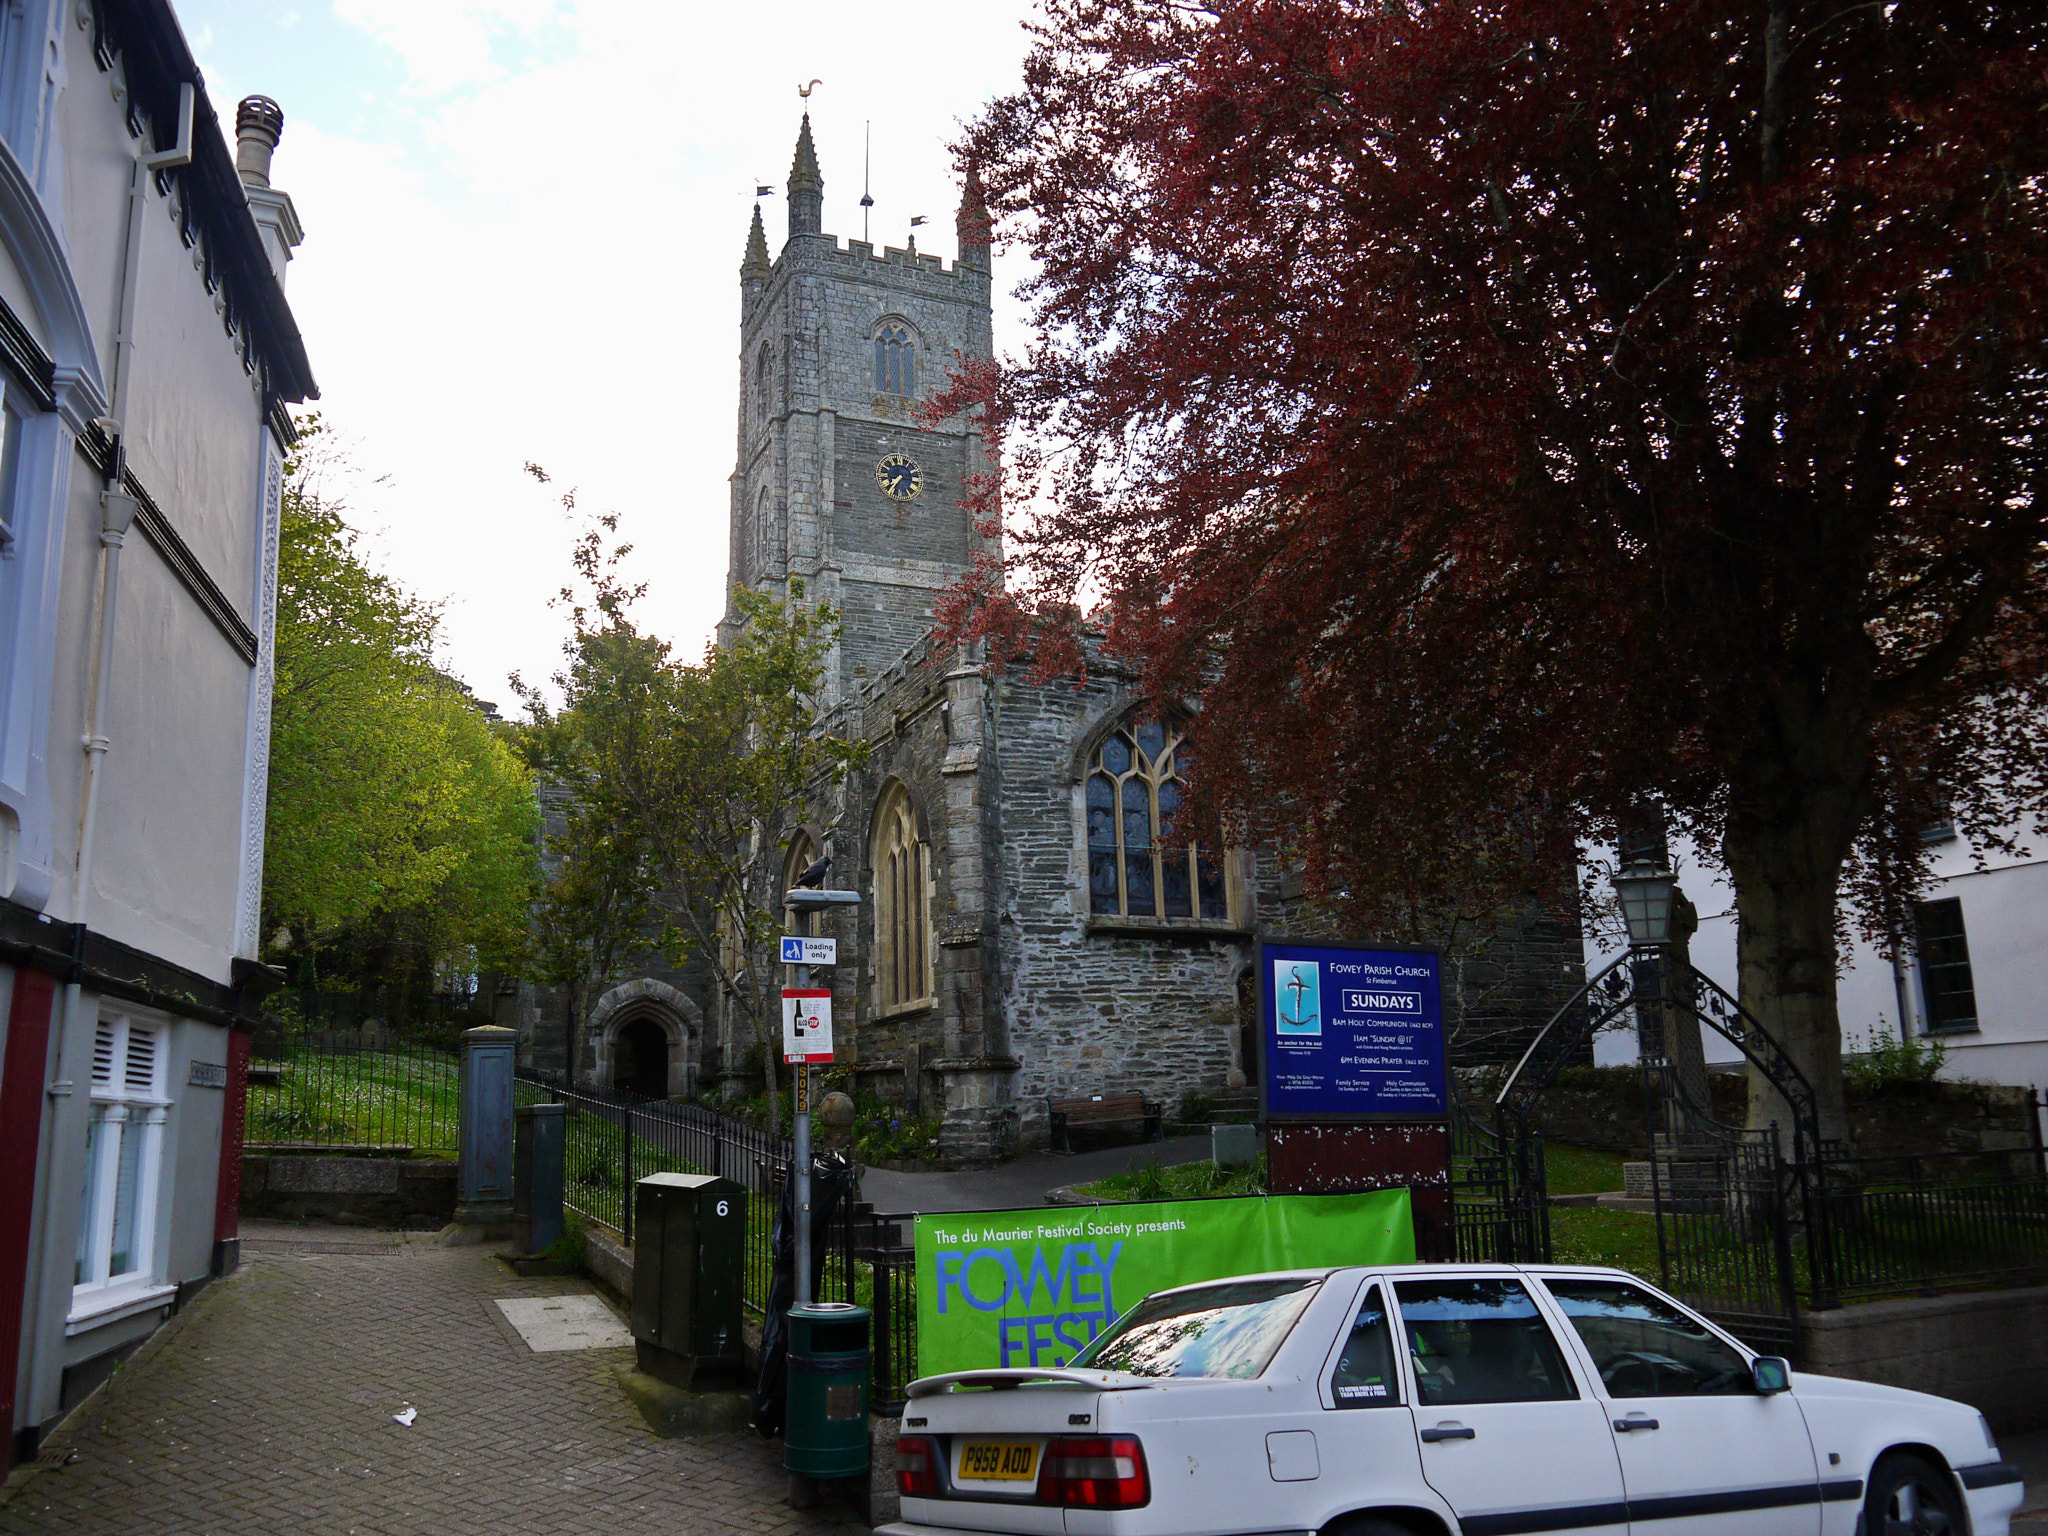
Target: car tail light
x,y
1095,1472
917,1467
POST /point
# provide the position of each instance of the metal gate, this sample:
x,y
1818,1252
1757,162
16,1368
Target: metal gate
x,y
1500,1209
1727,1199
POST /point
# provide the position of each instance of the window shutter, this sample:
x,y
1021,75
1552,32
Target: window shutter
x,y
140,1076
103,1053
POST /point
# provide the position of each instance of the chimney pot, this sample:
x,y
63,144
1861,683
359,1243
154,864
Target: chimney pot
x,y
259,124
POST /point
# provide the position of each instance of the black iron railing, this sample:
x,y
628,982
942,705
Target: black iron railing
x,y
613,1137
1936,1222
352,1090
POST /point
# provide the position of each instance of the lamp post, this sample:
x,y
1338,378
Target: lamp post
x,y
1660,925
806,901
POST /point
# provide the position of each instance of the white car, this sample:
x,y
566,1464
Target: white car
x,y
1426,1400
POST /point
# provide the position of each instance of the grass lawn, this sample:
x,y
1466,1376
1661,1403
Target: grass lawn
x,y
1183,1181
1620,1239
1580,1170
1570,1171
377,1098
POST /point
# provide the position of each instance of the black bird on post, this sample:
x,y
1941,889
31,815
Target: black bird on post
x,y
813,877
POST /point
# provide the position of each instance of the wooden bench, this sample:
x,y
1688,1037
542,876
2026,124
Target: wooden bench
x,y
1102,1109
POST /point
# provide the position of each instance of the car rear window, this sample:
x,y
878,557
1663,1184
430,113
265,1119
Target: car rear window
x,y
1230,1330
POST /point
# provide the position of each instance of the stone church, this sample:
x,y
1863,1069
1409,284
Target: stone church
x,y
1024,933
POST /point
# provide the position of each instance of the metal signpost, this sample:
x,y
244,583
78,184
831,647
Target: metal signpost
x,y
807,1037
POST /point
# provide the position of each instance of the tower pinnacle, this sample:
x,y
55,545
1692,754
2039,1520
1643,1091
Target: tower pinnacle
x,y
755,263
806,186
972,222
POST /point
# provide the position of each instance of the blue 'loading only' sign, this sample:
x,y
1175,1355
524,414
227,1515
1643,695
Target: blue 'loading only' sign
x,y
1352,1032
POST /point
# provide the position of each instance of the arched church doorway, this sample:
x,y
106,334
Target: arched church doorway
x,y
641,1063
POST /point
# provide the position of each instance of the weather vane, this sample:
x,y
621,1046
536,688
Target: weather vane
x,y
805,90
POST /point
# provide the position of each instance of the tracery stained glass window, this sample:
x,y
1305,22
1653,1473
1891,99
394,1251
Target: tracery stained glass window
x,y
895,362
903,955
1133,791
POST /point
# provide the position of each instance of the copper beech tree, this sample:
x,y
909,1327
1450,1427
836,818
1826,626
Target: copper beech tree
x,y
1499,416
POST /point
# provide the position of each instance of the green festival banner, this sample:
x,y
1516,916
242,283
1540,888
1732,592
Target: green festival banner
x,y
1011,1288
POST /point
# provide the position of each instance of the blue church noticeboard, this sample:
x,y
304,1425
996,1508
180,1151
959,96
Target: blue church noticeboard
x,y
1352,1033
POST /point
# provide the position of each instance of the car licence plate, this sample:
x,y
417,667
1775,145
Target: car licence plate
x,y
1000,1461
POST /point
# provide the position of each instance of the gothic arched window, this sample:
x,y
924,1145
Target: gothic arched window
x,y
895,362
764,387
1134,787
903,949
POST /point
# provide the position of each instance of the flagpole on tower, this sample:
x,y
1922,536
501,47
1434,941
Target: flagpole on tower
x,y
867,160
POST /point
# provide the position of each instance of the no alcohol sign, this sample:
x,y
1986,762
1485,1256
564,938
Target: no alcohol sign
x,y
806,1024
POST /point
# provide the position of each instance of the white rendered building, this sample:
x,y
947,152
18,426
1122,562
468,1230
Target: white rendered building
x,y
1979,982
147,357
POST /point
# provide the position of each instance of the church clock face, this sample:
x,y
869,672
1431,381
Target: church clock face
x,y
899,477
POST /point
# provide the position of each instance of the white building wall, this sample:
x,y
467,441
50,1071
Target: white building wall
x,y
176,849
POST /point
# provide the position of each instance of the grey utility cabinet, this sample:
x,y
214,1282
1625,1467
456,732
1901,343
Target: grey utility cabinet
x,y
689,1276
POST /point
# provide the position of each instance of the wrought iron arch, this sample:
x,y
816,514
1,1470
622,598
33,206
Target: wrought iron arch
x,y
1649,980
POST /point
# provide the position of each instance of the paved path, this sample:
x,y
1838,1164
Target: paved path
x,y
266,1408
1022,1183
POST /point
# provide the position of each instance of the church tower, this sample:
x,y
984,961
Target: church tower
x,y
837,482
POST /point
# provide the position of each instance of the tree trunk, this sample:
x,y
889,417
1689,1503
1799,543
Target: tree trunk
x,y
1785,873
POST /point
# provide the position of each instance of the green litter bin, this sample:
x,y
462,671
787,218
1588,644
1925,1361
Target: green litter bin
x,y
826,1431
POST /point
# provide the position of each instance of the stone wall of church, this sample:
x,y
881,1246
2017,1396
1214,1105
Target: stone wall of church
x,y
1097,1004
924,720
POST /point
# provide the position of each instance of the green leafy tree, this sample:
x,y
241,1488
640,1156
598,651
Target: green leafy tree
x,y
709,763
400,822
596,902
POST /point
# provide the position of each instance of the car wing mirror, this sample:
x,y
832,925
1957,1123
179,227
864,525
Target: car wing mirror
x,y
1770,1374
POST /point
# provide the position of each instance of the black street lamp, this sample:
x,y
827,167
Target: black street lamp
x,y
1646,893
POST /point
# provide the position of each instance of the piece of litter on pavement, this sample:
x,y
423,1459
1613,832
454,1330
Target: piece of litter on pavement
x,y
407,1417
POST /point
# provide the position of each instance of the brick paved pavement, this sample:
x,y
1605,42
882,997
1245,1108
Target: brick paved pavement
x,y
266,1408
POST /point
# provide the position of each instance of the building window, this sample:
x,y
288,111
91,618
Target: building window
x,y
123,1152
764,388
1134,788
1945,980
903,949
895,362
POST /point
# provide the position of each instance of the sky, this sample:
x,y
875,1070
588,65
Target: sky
x,y
524,222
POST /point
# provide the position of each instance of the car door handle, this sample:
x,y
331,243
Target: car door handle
x,y
1635,1421
1448,1431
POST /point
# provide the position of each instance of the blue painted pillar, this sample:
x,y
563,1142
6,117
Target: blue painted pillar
x,y
484,1186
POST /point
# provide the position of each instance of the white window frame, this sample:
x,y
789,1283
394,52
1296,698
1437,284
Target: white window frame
x,y
138,1105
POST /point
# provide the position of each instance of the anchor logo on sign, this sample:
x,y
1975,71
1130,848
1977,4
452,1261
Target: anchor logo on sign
x,y
1302,1018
